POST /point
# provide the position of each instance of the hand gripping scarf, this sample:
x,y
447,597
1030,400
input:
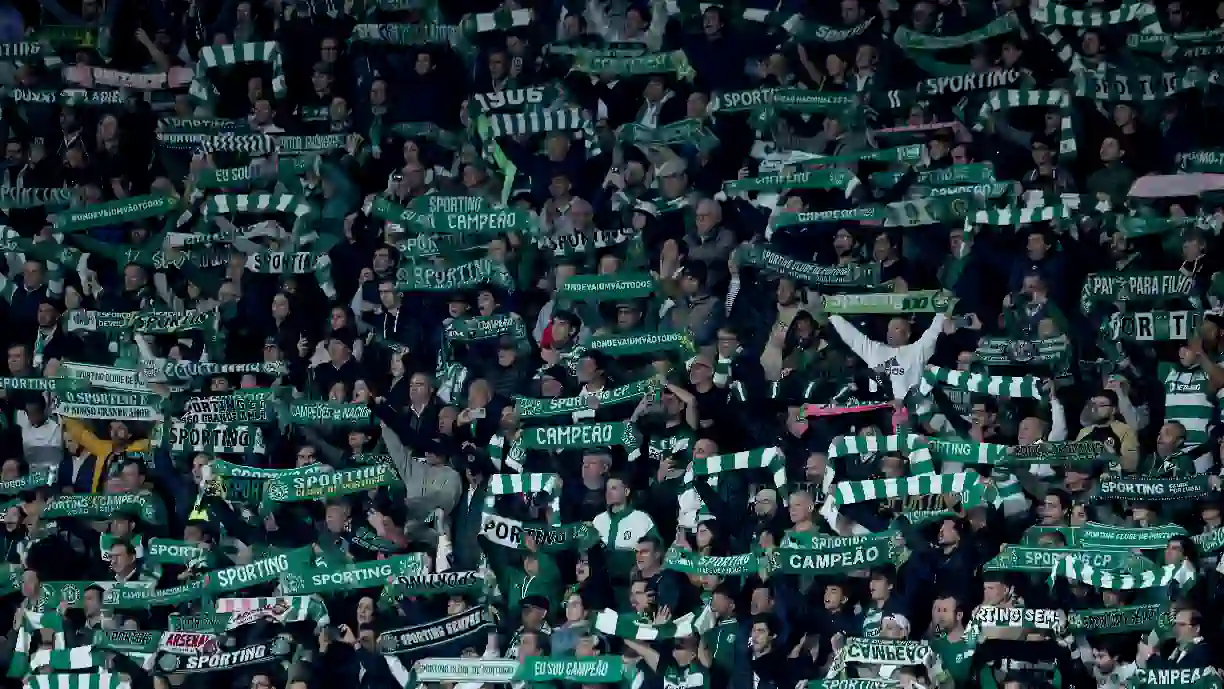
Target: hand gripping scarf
x,y
769,458
228,55
968,483
628,626
582,436
209,437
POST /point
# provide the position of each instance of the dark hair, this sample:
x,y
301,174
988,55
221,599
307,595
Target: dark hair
x,y
958,605
770,622
1064,498
126,545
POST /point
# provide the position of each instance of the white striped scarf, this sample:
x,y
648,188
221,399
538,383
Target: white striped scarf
x,y
539,120
1072,568
518,484
914,447
31,622
1004,99
627,626
79,658
851,492
1054,14
212,56
506,454
995,386
770,458
95,680
501,20
250,144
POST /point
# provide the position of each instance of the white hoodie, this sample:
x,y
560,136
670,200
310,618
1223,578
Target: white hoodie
x,y
904,365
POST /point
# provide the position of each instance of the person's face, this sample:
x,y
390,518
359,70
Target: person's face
x,y
33,274
280,306
120,527
626,318
1030,431
561,331
1123,115
1174,553
943,613
948,535
880,589
615,492
1184,628
121,559
695,107
834,598
497,65
365,610
575,611
700,373
834,65
336,518
1091,44
800,508
994,592
761,638
1111,150
1102,409
981,416
654,90
711,22
1051,511
12,152
1169,439
1041,154
639,597
92,602
898,332
865,57
786,293
815,466
321,81
328,50
559,187
485,303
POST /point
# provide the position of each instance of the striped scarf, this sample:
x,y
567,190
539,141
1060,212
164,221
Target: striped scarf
x,y
769,458
1075,569
294,263
209,437
212,56
995,386
284,609
538,120
915,448
506,454
79,658
967,482
517,484
629,626
1005,99
95,680
31,623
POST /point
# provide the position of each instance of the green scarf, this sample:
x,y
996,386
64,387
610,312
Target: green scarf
x,y
917,46
31,481
950,80
486,223
835,561
1093,535
421,278
534,408
405,34
96,506
675,62
1053,352
11,198
1184,678
466,626
264,571
515,99
582,436
765,103
1015,558
606,288
855,275
805,30
209,437
587,243
222,56
56,385
680,560
931,301
73,97
340,580
1120,620
1115,85
599,670
475,328
205,623
422,584
1157,489
1152,326
308,412
1201,161
115,213
150,322
688,132
294,263
168,551
134,597
639,344
1145,286
968,173
327,486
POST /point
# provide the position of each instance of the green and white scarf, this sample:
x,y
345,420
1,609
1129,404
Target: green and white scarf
x,y
1135,287
1074,569
213,56
209,437
1152,326
969,484
475,328
326,486
917,45
31,481
680,560
929,301
1052,352
639,344
809,273
582,436
767,458
424,278
405,34
105,377
674,62
1006,99
605,288
104,506
262,571
1017,558
537,408
11,197
995,386
629,626
486,222
585,243
1157,489
805,30
152,322
294,263
917,451
309,412
93,680
168,369
115,212
1120,620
